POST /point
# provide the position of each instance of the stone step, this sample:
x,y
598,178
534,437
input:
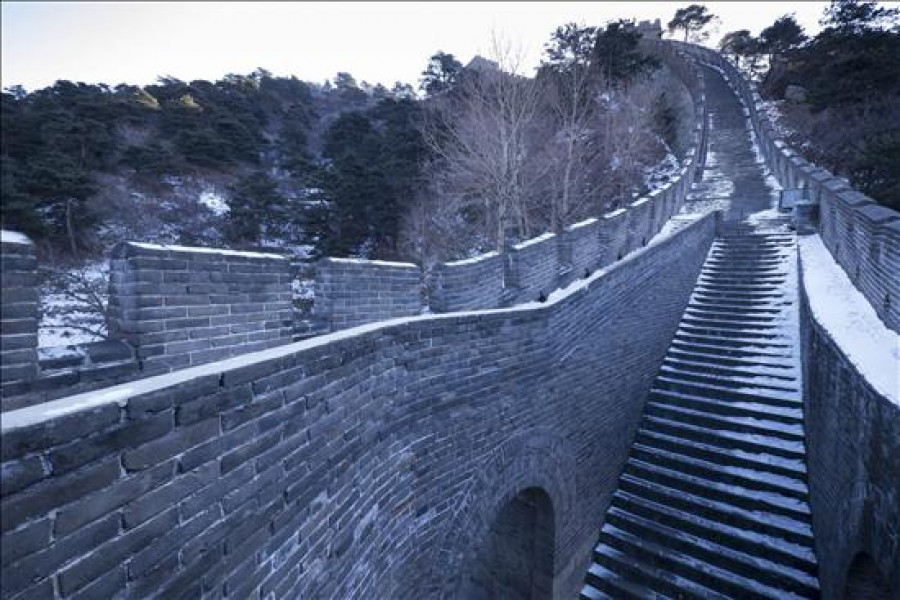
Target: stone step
x,y
714,356
758,381
589,592
759,337
751,442
721,422
618,586
668,557
748,573
742,280
760,461
733,370
754,532
726,472
720,392
750,275
707,321
766,311
733,314
659,583
730,408
740,347
747,253
746,306
730,297
734,262
726,493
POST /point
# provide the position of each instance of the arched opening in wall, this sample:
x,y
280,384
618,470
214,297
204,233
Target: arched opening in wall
x,y
864,580
515,561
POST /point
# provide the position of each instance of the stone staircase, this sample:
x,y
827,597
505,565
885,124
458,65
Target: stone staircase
x,y
713,500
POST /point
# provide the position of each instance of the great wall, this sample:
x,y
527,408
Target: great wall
x,y
652,401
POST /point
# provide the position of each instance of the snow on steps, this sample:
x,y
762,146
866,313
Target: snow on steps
x,y
713,502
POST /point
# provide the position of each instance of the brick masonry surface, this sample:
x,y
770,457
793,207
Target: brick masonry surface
x,y
18,356
180,307
367,463
864,238
467,284
853,454
351,292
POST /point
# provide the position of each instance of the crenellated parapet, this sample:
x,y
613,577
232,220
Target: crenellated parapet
x,y
180,306
19,311
863,237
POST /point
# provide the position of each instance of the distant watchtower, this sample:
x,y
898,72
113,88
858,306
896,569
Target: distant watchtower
x,y
649,29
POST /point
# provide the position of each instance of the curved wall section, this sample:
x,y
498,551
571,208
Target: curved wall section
x,y
863,237
344,465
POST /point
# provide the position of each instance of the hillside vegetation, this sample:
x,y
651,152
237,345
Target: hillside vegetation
x,y
340,168
837,94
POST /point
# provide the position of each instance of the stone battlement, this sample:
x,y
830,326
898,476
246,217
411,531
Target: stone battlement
x,y
863,237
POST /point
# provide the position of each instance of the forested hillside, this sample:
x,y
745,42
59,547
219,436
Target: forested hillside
x,y
836,94
339,168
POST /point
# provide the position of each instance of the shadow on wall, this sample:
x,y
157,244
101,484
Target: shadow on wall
x,y
516,558
865,581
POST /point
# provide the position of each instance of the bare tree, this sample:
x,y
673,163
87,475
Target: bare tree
x,y
480,136
569,88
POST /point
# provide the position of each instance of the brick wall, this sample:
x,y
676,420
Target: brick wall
x,y
363,465
467,284
350,292
614,235
534,267
181,306
18,345
580,248
853,456
839,207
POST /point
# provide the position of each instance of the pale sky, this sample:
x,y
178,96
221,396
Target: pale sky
x,y
379,42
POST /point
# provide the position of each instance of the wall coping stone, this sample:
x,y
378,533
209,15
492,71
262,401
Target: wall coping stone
x,y
366,261
127,249
471,261
14,237
581,224
535,240
878,214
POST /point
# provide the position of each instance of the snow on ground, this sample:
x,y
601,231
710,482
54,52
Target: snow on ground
x,y
72,305
849,319
772,109
303,289
214,202
661,174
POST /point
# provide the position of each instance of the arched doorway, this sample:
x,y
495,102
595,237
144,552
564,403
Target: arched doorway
x,y
515,560
864,580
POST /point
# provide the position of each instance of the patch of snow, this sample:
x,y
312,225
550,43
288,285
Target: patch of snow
x,y
303,289
535,240
200,250
849,319
614,214
366,261
72,306
13,237
581,224
214,202
60,352
473,260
